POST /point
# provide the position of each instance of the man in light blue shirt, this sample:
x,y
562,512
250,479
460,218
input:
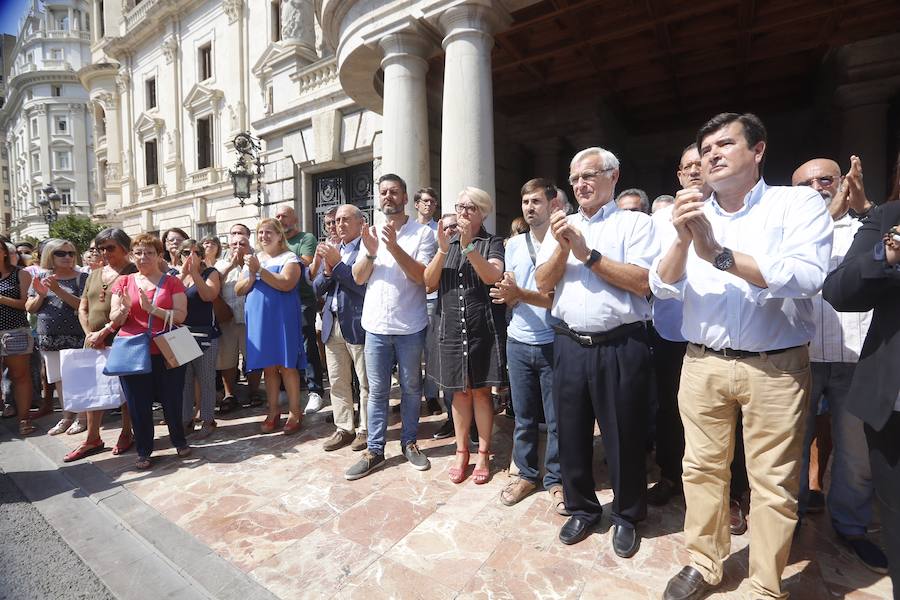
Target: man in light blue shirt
x,y
529,350
746,263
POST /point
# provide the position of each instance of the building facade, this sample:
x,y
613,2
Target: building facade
x,y
45,121
7,46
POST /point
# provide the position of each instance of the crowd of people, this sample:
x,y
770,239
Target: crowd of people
x,y
694,324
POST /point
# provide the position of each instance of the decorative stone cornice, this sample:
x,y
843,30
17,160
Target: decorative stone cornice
x,y
106,100
202,99
147,126
233,8
170,49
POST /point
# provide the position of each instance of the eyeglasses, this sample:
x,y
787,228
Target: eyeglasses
x,y
824,181
189,252
426,201
460,208
588,175
106,248
93,250
449,227
328,224
64,253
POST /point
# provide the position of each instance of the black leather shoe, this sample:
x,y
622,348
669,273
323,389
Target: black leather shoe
x,y
575,530
662,491
446,430
625,541
688,584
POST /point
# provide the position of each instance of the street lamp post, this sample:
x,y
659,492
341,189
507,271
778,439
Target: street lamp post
x,y
50,202
242,175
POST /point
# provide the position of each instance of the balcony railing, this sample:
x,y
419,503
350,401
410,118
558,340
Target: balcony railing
x,y
57,65
138,13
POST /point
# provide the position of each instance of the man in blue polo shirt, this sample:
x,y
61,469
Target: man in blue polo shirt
x,y
529,351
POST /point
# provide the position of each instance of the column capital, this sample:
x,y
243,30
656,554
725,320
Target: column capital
x,y
406,46
470,19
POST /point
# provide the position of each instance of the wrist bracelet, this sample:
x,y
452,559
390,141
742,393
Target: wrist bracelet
x,y
470,248
439,251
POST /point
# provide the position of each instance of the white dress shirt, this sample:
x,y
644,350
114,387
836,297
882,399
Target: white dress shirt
x,y
839,335
666,313
585,301
787,231
394,305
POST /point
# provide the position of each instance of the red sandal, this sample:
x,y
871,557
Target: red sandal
x,y
270,424
458,475
84,450
123,444
291,427
482,476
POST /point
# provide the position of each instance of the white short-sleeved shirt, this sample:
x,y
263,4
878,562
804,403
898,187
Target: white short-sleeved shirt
x,y
585,301
394,305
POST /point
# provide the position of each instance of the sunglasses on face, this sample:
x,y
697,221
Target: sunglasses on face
x,y
106,249
64,253
824,181
450,227
189,252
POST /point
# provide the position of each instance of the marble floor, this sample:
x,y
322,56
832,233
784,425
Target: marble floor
x,y
280,509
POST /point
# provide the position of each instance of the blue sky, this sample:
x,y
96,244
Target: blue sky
x,y
10,13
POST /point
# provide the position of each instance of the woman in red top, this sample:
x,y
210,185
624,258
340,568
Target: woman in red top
x,y
135,298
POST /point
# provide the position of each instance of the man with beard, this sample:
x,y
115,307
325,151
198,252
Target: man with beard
x,y
834,352
529,350
395,319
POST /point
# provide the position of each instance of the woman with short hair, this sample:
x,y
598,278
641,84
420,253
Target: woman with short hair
x,y
54,297
143,301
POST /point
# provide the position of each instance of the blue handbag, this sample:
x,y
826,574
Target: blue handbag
x,y
130,354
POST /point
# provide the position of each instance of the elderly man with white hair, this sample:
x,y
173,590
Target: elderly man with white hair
x,y
597,262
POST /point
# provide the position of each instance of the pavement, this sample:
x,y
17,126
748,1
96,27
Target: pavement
x,y
250,516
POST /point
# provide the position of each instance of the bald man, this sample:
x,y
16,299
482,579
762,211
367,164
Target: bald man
x,y
842,193
834,352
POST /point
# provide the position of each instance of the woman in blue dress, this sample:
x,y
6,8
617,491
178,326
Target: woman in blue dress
x,y
272,313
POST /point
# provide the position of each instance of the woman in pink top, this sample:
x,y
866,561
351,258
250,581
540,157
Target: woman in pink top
x,y
136,298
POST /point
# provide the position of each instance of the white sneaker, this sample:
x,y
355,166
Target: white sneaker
x,y
314,404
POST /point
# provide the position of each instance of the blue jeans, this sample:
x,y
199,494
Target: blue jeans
x,y
850,495
531,385
431,388
382,351
314,371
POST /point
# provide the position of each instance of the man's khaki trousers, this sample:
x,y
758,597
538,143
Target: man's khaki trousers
x,y
771,391
342,358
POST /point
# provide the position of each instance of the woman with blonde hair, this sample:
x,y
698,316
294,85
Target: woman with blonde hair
x,y
54,297
272,313
468,341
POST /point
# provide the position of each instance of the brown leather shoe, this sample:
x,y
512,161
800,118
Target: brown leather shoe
x,y
338,439
361,442
516,491
558,500
737,523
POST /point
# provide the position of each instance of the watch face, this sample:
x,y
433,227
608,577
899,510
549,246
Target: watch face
x,y
725,260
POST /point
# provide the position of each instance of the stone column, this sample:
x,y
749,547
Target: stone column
x,y
405,112
467,127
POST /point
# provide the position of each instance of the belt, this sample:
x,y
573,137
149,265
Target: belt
x,y
594,339
730,353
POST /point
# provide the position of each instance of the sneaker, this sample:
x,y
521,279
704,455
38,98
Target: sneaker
x,y
368,463
516,490
415,457
361,441
314,404
338,439
445,431
816,502
868,553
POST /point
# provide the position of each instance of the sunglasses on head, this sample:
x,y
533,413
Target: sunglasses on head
x,y
63,253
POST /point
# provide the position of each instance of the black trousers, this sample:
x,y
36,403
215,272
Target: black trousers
x,y
608,383
667,360
884,455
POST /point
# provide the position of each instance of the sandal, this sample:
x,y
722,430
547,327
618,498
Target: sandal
x,y
270,424
143,463
9,411
458,475
124,442
76,428
86,449
291,426
482,476
26,427
206,430
60,427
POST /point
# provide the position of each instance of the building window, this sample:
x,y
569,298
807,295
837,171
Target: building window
x,y
55,54
102,23
65,195
205,229
34,128
56,91
276,20
204,143
150,88
6,200
205,61
35,162
5,174
61,125
62,23
150,162
63,159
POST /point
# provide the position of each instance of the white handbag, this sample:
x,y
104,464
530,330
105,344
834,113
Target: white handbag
x,y
177,345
